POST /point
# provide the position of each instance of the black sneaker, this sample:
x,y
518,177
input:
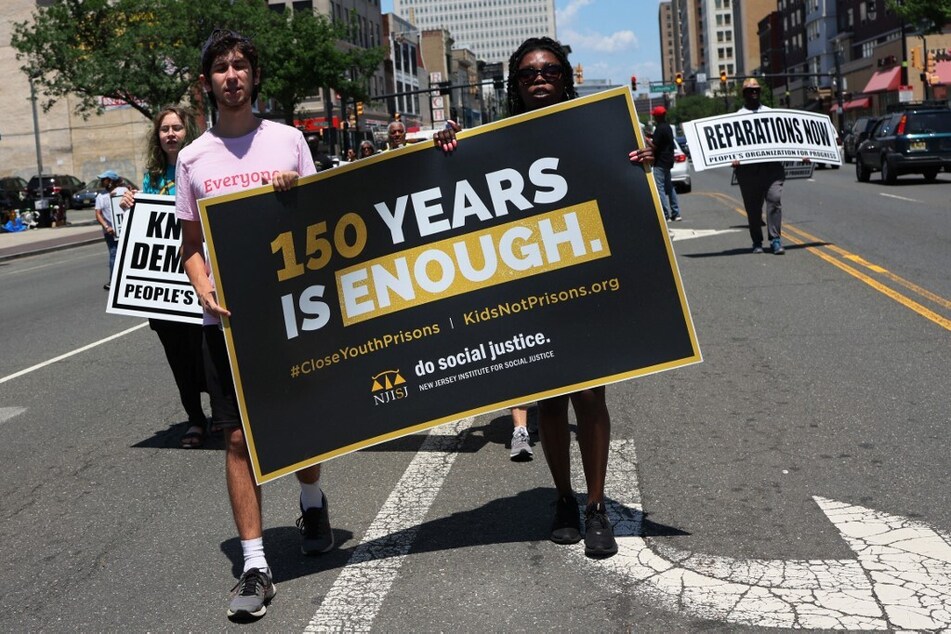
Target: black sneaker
x,y
252,593
598,534
566,527
316,537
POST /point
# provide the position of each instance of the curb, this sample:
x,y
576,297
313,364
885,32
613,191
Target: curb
x,y
48,249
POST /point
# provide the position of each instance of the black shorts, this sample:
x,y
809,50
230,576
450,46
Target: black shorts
x,y
224,402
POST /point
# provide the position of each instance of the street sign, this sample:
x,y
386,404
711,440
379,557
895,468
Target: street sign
x,y
906,93
663,87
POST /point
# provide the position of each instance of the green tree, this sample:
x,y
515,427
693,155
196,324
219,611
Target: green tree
x,y
303,52
147,52
929,15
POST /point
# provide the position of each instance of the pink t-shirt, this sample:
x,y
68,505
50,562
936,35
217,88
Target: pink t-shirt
x,y
213,165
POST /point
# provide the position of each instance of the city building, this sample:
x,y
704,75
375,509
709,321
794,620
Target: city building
x,y
436,48
491,29
68,144
405,74
669,42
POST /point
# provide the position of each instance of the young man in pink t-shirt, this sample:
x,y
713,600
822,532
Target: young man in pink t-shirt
x,y
239,152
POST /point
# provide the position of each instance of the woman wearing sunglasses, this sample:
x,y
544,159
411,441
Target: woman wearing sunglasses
x,y
539,75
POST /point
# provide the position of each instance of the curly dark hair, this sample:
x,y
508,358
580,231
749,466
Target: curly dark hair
x,y
222,41
513,99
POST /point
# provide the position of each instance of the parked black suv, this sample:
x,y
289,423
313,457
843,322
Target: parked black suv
x,y
854,137
916,140
59,188
14,193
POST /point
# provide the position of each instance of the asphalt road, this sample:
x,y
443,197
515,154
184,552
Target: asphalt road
x,y
825,375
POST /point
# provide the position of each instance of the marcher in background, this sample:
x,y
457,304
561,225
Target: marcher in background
x,y
540,75
366,149
521,447
241,143
110,182
761,182
663,140
172,129
396,135
351,155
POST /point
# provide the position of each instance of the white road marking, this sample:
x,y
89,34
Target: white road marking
x,y
687,234
353,601
901,579
6,413
15,375
911,200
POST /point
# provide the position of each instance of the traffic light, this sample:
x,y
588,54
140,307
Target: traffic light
x,y
916,58
679,79
633,83
579,74
723,77
499,84
359,108
929,65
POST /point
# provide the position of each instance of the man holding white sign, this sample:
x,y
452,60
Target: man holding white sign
x,y
755,141
759,182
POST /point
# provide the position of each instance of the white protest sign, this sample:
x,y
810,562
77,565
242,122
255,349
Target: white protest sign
x,y
760,137
148,279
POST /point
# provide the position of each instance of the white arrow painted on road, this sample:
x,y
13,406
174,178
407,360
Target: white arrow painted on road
x,y
901,579
6,413
687,234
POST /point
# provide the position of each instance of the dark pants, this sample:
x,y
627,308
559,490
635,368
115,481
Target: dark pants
x,y
182,344
762,182
224,401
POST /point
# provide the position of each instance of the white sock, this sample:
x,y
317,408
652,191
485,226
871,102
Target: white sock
x,y
253,550
311,497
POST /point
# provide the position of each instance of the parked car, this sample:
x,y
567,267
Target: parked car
x,y
682,140
86,197
14,193
855,135
680,173
57,188
916,140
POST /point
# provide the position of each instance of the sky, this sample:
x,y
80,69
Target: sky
x,y
611,39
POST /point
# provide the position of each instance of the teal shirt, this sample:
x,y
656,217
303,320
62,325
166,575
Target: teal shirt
x,y
165,185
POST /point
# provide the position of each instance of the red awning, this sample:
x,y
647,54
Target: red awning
x,y
884,81
943,71
864,102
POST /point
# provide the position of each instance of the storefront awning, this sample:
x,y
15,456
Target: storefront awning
x,y
884,81
854,104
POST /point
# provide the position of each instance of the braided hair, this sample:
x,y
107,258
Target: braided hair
x,y
513,99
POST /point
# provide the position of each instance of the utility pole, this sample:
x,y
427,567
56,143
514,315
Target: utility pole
x,y
42,203
838,90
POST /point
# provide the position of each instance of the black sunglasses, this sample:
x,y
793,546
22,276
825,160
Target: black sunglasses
x,y
551,72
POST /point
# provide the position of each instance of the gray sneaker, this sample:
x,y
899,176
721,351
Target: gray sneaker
x,y
521,448
252,593
316,536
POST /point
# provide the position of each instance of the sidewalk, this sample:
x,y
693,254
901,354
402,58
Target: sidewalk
x,y
82,229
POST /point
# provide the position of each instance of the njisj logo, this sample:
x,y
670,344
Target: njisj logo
x,y
388,386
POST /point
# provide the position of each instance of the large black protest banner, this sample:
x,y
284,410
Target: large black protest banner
x,y
411,288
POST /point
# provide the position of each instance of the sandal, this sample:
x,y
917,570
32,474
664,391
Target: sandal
x,y
194,438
